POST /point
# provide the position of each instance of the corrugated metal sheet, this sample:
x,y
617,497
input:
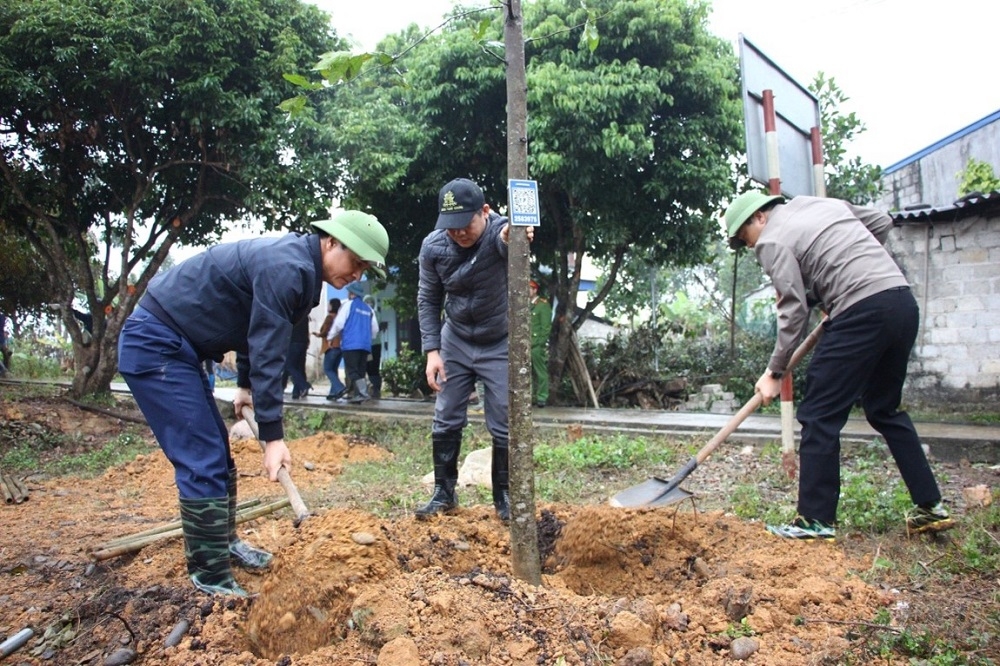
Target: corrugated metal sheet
x,y
968,206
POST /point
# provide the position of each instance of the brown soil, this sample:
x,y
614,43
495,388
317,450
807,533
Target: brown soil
x,y
629,587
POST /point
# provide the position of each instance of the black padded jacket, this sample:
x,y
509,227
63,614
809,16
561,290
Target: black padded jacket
x,y
468,284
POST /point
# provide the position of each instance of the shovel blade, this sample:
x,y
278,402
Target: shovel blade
x,y
652,492
673,497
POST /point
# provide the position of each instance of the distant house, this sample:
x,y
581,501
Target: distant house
x,y
931,176
949,249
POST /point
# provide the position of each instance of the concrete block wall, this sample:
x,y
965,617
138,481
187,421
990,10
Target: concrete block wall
x,y
954,269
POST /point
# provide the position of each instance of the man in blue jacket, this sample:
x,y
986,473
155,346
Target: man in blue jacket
x,y
243,296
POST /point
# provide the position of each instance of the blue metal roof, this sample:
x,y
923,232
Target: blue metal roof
x,y
993,117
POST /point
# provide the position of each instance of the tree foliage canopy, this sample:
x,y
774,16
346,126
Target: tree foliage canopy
x,y
631,142
847,178
126,125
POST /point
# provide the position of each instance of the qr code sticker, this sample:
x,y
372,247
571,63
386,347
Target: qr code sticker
x,y
524,201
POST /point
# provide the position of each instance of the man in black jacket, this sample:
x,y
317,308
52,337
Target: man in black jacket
x,y
243,296
463,272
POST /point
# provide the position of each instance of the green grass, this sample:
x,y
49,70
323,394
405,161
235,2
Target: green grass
x,y
589,469
885,641
28,457
121,449
21,458
603,452
979,549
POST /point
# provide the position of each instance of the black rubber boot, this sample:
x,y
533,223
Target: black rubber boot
x,y
445,449
242,553
205,523
501,479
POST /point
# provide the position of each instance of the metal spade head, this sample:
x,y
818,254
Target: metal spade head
x,y
652,492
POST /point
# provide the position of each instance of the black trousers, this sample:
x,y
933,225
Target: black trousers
x,y
295,366
863,354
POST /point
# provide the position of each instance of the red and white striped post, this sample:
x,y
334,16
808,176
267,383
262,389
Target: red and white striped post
x,y
788,461
771,143
819,180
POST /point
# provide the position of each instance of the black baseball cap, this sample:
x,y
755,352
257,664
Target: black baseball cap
x,y
458,202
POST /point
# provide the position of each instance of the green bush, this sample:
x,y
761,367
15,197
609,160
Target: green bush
x,y
405,374
38,358
653,353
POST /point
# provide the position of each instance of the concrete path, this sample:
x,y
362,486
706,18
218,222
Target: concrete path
x,y
977,444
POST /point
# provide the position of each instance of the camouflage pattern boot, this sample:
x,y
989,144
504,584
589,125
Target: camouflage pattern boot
x,y
242,553
205,523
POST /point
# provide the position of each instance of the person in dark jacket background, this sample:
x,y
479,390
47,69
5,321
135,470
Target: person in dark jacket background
x,y
330,350
295,363
243,296
463,271
541,329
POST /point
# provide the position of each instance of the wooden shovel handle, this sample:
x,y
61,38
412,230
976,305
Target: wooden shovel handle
x,y
753,403
284,478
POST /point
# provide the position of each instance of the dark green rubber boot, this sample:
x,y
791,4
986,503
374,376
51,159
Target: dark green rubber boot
x,y
243,554
205,523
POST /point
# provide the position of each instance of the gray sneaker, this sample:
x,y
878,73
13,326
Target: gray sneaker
x,y
804,529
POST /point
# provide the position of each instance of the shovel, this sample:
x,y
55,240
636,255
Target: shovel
x,y
298,506
663,492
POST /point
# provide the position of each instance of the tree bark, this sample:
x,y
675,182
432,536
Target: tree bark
x,y
523,528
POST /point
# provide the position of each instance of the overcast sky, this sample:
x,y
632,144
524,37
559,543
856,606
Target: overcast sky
x,y
915,71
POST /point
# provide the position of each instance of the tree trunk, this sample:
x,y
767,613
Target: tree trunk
x,y
523,528
95,364
569,251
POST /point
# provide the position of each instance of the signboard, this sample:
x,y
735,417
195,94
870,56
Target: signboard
x,y
797,112
523,198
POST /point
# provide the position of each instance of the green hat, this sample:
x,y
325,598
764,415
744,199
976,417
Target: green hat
x,y
741,209
362,234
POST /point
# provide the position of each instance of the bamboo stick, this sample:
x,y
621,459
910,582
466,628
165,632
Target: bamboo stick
x,y
20,491
8,497
106,553
172,525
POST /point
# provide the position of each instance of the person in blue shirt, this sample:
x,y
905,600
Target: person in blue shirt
x,y
245,297
356,325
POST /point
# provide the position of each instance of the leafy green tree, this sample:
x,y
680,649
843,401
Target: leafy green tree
x,y
978,176
24,281
630,142
712,283
129,125
847,178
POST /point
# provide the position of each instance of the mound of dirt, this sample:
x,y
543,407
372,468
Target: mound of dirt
x,y
630,587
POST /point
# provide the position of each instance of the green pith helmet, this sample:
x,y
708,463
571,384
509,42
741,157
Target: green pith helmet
x,y
740,211
362,234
